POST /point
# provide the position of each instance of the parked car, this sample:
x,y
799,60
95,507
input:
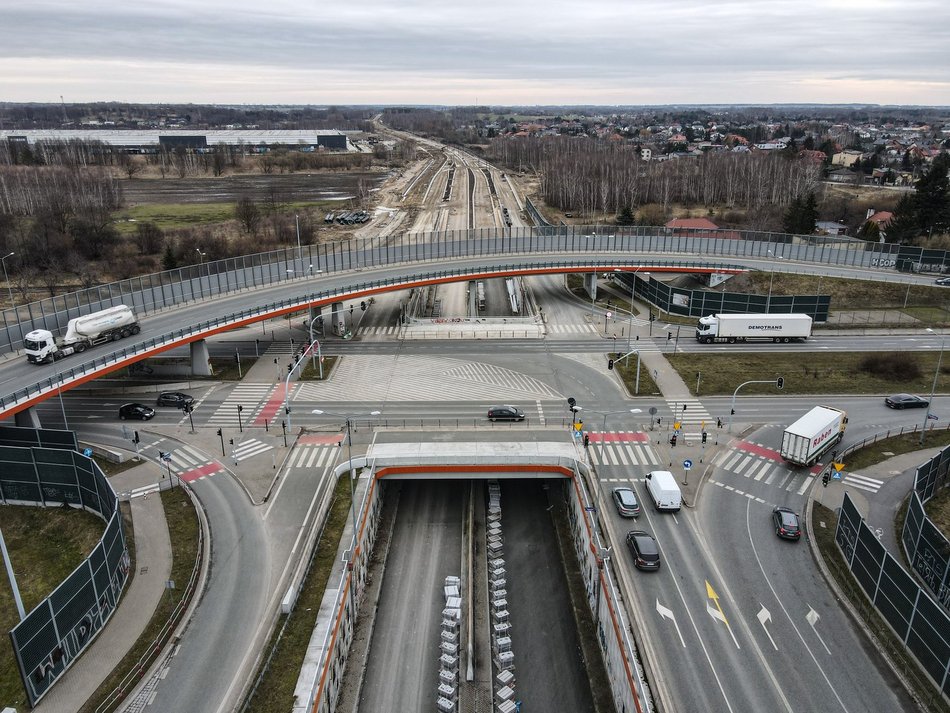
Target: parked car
x,y
505,413
136,411
645,551
626,501
906,401
174,398
786,523
943,281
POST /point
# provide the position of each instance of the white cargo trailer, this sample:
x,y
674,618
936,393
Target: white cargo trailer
x,y
106,325
813,435
752,327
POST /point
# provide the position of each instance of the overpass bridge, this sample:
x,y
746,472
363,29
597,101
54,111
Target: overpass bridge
x,y
188,305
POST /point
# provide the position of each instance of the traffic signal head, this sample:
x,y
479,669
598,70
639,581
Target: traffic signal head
x,y
780,382
571,401
705,435
732,412
135,437
610,363
669,336
240,408
824,479
286,409
363,306
219,432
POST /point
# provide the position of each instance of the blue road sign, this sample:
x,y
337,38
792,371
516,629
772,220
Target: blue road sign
x,y
87,452
836,475
165,456
687,464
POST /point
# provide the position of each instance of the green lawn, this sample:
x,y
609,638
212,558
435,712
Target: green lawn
x,y
812,372
182,215
45,546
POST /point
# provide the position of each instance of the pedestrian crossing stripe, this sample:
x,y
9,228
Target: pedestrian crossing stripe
x,y
622,454
249,449
312,457
862,482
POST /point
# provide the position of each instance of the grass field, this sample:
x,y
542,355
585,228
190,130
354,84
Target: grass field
x,y
45,546
811,373
183,215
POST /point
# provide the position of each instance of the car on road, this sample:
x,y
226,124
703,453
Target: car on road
x,y
174,398
645,551
786,523
906,401
942,281
626,501
505,413
136,411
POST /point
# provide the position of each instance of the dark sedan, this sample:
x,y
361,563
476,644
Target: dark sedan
x,y
505,413
906,401
786,524
136,411
645,551
174,398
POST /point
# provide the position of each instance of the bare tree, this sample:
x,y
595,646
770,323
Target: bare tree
x,y
248,215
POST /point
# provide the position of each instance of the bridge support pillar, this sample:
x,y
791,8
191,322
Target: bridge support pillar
x,y
28,418
337,319
590,284
200,359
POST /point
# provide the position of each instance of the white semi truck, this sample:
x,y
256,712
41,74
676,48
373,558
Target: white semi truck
x,y
813,435
750,327
106,325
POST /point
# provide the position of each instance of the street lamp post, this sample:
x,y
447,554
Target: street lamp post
x,y
312,342
933,389
7,279
201,256
633,296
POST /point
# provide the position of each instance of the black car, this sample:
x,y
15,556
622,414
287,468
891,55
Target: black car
x,y
645,551
942,281
174,398
906,401
505,413
786,523
139,411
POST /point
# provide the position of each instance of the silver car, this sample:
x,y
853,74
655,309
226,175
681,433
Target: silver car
x,y
626,501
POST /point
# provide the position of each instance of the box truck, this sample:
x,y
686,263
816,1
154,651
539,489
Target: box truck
x,y
664,491
106,325
751,327
813,435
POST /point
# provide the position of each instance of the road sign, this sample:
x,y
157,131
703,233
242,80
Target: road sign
x,y
836,475
838,466
87,452
609,315
652,411
687,464
676,426
590,509
165,456
932,416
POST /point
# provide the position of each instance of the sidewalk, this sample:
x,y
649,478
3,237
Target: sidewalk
x,y
153,561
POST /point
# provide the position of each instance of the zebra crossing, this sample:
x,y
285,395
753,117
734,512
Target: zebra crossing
x,y
621,448
312,456
249,448
249,396
765,469
691,412
861,482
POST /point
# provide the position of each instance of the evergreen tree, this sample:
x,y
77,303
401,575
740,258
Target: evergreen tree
x,y
169,261
903,227
801,215
932,200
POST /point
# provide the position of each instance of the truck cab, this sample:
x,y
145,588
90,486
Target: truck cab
x,y
39,346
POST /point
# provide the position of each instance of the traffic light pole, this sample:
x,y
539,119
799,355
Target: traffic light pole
x,y
779,384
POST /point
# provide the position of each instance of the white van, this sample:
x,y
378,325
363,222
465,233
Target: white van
x,y
663,489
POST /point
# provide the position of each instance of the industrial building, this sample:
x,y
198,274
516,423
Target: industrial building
x,y
150,141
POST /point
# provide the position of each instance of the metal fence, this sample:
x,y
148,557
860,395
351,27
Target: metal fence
x,y
205,281
56,632
926,547
919,622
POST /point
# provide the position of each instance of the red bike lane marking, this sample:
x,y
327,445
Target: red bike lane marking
x,y
274,403
596,437
759,450
320,440
199,472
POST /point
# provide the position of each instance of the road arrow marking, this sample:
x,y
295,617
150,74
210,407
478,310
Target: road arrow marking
x,y
764,616
668,614
812,618
717,612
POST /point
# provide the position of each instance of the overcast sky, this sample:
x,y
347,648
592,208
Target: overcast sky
x,y
484,51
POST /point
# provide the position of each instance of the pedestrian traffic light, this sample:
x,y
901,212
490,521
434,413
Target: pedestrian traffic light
x,y
780,382
673,441
290,368
718,423
610,363
286,409
363,306
135,437
732,412
231,441
705,435
240,408
219,432
825,478
669,336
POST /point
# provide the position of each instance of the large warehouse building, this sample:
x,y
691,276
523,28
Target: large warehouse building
x,y
135,140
